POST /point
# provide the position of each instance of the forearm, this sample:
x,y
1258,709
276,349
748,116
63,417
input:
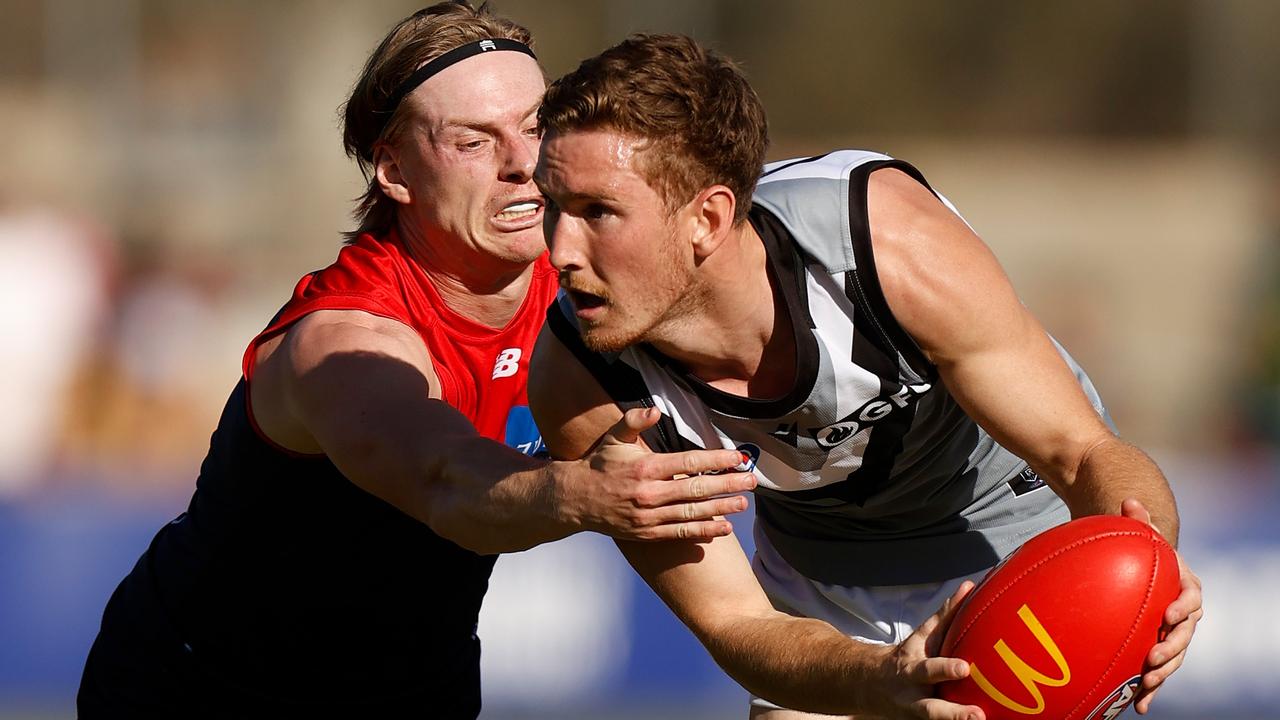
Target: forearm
x,y
1110,472
489,498
470,489
799,663
802,664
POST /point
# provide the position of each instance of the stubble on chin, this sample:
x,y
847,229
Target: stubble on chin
x,y
600,340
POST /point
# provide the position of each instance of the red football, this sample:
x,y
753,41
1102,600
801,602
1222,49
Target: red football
x,y
1061,628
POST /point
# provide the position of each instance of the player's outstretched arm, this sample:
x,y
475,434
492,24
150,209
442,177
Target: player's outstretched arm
x,y
361,390
949,293
799,663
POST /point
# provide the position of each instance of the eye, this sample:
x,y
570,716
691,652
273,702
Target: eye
x,y
595,211
533,132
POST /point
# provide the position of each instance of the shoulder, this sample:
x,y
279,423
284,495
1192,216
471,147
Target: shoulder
x,y
323,333
329,344
835,165
369,274
936,274
897,201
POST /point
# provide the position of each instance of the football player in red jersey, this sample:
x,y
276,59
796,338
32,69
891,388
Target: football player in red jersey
x,y
378,450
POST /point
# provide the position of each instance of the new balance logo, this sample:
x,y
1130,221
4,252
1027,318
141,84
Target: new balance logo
x,y
507,364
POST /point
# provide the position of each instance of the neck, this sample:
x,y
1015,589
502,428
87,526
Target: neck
x,y
477,286
737,336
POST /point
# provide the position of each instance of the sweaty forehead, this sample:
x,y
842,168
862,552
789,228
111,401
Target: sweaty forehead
x,y
588,157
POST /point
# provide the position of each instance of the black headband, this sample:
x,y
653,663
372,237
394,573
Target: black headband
x,y
454,56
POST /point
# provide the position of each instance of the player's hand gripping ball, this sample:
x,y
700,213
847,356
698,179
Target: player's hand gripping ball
x,y
1060,629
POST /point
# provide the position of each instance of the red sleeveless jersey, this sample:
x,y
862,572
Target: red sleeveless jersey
x,y
483,371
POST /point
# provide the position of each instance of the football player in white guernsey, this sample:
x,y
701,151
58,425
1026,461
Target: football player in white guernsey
x,y
842,326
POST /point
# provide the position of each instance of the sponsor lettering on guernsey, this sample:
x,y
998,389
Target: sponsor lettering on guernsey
x,y
522,433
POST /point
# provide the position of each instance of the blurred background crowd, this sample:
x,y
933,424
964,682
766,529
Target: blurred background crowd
x,y
169,168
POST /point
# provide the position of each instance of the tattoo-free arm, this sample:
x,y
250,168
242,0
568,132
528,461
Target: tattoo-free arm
x,y
950,295
362,390
799,663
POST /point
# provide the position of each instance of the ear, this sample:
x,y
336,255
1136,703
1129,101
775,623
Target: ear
x,y
712,217
386,169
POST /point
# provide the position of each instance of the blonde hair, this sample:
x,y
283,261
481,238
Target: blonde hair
x,y
414,41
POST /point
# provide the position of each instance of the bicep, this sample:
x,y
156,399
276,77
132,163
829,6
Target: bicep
x,y
364,388
949,293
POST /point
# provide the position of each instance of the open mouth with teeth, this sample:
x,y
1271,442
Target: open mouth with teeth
x,y
519,210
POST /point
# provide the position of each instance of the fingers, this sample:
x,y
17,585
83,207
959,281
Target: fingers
x,y
1176,642
933,628
1189,600
1184,606
1181,617
1133,508
957,598
934,709
1168,655
934,670
699,521
634,422
1153,678
1142,703
698,531
695,511
692,462
696,487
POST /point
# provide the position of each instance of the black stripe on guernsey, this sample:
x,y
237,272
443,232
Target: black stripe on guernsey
x,y
884,444
793,162
877,327
877,339
620,381
788,270
862,285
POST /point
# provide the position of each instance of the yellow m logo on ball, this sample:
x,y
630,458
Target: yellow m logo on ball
x,y
1031,678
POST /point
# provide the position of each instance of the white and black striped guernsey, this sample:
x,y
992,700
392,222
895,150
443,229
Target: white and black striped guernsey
x,y
869,473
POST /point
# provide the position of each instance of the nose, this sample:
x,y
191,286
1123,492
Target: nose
x,y
563,242
519,158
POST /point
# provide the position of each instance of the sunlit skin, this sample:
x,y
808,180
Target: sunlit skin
x,y
612,239
685,280
462,171
698,289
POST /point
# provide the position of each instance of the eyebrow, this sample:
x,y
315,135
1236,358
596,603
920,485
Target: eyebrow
x,y
448,124
583,197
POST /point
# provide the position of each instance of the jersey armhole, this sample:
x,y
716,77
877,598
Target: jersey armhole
x,y
862,283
